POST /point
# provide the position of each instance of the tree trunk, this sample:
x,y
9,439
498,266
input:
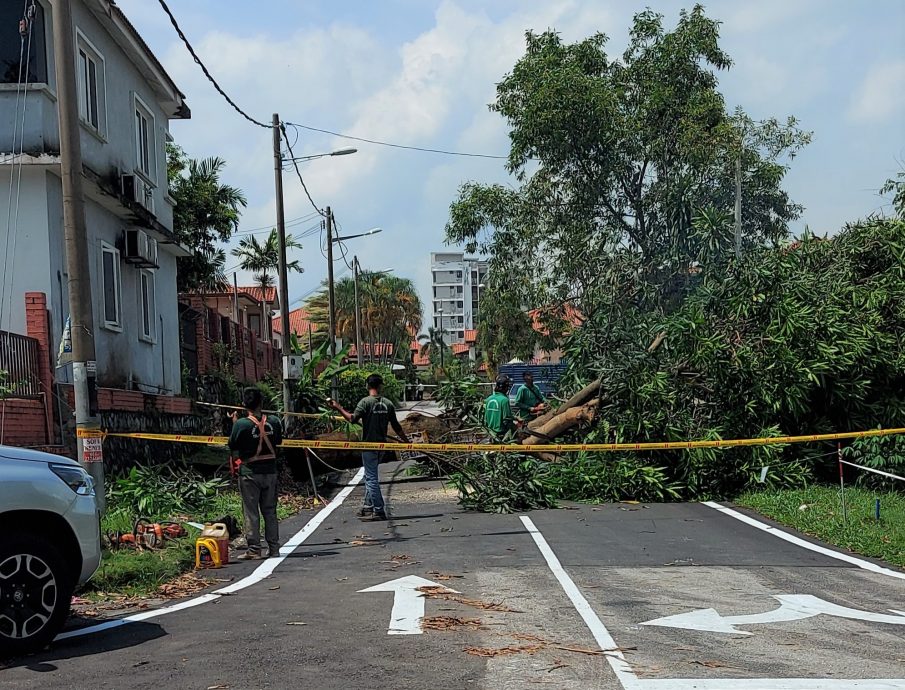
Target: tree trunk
x,y
560,423
579,398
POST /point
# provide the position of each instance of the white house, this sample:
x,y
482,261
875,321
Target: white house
x,y
126,100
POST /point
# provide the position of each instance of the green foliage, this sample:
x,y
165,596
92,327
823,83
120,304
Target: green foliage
x,y
5,388
460,396
263,258
817,511
159,493
503,483
602,477
885,453
352,385
206,213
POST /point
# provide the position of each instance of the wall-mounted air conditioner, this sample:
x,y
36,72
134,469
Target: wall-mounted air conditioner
x,y
140,249
137,190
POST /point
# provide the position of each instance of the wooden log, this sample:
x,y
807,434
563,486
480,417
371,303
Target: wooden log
x,y
560,423
580,398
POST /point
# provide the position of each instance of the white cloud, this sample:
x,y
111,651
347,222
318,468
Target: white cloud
x,y
881,95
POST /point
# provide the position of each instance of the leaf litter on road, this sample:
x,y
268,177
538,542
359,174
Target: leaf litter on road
x,y
435,592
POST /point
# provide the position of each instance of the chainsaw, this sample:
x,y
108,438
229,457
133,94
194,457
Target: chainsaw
x,y
147,534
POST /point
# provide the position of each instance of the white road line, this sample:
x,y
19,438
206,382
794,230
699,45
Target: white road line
x,y
265,569
614,656
798,541
772,684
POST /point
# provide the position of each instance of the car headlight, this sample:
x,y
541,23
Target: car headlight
x,y
76,478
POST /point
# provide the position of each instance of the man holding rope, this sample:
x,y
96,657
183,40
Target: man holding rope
x,y
375,413
253,440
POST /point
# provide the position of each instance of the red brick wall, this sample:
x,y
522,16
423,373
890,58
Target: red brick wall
x,y
22,423
37,324
115,400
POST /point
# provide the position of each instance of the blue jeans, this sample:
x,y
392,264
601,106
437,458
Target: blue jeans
x,y
373,498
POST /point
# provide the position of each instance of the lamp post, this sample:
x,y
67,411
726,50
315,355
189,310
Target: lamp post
x,y
442,341
331,294
279,160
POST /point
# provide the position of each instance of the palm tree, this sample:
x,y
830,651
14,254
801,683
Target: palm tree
x,y
390,312
433,343
263,260
206,213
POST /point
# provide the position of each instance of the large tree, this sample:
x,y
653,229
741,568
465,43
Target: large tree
x,y
620,160
206,214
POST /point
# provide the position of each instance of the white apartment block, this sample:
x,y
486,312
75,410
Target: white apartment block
x,y
457,283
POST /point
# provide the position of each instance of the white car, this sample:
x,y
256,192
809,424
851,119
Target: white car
x,y
49,543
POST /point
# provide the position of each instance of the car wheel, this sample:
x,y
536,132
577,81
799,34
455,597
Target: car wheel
x,y
35,593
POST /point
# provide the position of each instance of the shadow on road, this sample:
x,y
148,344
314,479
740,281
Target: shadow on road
x,y
121,637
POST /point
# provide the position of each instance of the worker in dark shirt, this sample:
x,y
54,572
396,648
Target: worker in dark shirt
x,y
375,413
253,441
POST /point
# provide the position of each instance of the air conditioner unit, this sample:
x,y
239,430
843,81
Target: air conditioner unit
x,y
137,190
140,248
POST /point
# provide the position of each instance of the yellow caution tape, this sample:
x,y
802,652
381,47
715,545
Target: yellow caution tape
x,y
515,448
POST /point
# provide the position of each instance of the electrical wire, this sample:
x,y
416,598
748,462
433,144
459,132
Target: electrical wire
x,y
297,171
207,74
290,222
397,146
28,14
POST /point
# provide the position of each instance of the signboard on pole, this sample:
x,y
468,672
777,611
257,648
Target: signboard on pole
x,y
64,356
93,449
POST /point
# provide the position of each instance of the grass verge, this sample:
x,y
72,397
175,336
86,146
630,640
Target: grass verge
x,y
822,518
137,573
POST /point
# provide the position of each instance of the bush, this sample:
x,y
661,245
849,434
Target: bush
x,y
503,483
461,397
885,453
353,387
159,493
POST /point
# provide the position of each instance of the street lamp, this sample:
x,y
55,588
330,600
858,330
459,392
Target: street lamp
x,y
442,341
338,152
331,295
278,162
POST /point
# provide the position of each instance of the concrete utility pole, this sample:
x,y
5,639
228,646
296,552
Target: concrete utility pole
x,y
357,311
84,364
331,298
284,284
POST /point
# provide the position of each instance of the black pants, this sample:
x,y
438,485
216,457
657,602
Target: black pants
x,y
259,497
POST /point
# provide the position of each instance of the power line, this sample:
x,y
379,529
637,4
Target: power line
x,y
297,171
397,146
207,74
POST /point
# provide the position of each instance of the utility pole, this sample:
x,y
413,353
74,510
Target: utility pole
x,y
284,286
331,296
357,311
236,298
84,364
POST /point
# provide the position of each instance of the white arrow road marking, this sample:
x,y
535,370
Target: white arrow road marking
x,y
408,603
792,607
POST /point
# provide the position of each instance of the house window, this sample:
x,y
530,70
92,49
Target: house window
x,y
147,305
90,74
33,51
144,141
459,289
111,285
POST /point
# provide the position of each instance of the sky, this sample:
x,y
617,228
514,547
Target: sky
x,y
422,73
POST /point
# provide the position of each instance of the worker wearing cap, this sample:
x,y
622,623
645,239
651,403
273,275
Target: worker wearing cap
x,y
497,413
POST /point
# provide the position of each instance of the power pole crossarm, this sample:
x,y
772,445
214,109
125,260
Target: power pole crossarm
x,y
284,286
84,365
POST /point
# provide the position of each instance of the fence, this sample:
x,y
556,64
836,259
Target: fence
x,y
20,360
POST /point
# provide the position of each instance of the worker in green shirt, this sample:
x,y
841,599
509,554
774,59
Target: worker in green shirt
x,y
529,401
497,413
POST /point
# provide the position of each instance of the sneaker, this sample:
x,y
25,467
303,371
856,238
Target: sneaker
x,y
365,511
273,552
377,516
250,556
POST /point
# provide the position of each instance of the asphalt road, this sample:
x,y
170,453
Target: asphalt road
x,y
539,597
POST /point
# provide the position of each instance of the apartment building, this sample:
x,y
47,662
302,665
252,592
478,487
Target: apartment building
x,y
457,285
